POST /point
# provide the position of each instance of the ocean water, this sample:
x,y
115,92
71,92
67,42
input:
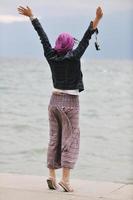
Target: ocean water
x,y
106,119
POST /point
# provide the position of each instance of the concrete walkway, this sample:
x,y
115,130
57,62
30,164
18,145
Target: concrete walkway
x,y
27,187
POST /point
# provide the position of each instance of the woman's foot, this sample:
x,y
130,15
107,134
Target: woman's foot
x,y
66,186
51,181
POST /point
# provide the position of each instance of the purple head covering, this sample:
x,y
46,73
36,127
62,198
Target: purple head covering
x,y
64,43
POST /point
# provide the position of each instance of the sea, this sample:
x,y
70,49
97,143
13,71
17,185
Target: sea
x,y
106,119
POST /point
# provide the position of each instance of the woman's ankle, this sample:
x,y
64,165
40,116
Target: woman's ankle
x,y
66,175
52,173
65,180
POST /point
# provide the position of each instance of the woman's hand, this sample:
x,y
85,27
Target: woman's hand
x,y
25,11
99,14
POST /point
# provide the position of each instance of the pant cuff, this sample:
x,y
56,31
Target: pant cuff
x,y
69,165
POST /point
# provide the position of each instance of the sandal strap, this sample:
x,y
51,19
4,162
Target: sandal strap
x,y
66,186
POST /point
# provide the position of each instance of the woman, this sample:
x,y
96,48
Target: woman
x,y
63,108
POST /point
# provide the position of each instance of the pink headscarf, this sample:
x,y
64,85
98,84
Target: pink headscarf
x,y
64,43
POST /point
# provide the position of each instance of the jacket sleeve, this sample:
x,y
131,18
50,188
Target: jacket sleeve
x,y
84,43
43,37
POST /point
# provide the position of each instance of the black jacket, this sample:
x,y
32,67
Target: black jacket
x,y
65,68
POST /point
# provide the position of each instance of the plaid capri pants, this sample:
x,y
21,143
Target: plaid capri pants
x,y
64,131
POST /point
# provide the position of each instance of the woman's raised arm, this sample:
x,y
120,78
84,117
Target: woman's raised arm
x,y
84,43
35,22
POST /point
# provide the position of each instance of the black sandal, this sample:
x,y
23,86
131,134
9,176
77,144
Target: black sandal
x,y
51,183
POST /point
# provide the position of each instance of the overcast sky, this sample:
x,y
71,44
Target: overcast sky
x,y
62,7
73,16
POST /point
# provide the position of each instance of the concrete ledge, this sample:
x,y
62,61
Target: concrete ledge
x,y
27,187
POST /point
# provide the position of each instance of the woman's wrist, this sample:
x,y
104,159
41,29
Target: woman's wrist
x,y
95,22
32,17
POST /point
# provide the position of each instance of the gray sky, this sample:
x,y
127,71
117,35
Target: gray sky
x,y
73,16
69,7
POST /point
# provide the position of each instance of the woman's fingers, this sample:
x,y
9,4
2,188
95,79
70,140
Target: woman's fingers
x,y
21,10
99,9
21,13
28,7
99,12
25,11
22,7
